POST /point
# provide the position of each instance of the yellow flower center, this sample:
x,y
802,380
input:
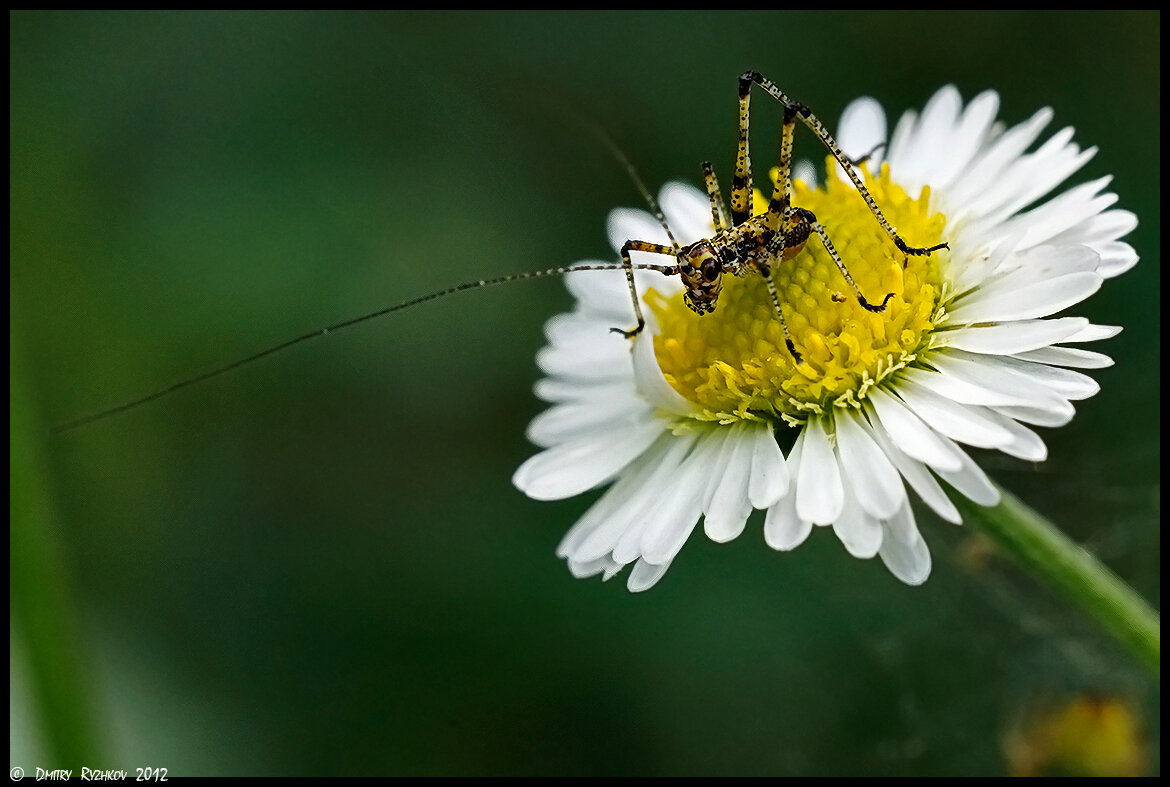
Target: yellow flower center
x,y
734,363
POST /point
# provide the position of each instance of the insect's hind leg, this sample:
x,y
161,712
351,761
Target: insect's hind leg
x,y
809,119
741,184
628,267
807,222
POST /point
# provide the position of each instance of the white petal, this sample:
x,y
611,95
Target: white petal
x,y
612,570
972,482
1063,382
934,131
783,529
1013,337
970,268
913,161
769,480
965,140
1069,209
596,533
1038,416
556,389
868,473
673,521
1116,258
625,224
952,419
982,191
718,448
687,210
901,141
903,550
819,492
614,499
650,382
729,509
600,291
1067,356
1025,444
860,533
1035,300
952,382
605,294
805,172
674,515
995,374
907,431
668,536
1110,225
582,570
1095,333
1025,267
632,515
644,576
862,127
581,353
573,420
919,478
1033,176
572,468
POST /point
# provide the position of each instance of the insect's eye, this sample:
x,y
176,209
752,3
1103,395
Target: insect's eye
x,y
711,270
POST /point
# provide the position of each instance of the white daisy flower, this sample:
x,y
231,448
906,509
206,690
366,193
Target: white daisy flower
x,y
688,420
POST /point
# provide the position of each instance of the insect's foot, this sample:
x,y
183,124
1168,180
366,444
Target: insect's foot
x,y
630,334
792,349
870,307
916,251
857,162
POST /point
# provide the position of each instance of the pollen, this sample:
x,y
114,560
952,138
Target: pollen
x,y
734,363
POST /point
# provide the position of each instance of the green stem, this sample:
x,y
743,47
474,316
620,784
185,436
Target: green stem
x,y
1078,576
56,665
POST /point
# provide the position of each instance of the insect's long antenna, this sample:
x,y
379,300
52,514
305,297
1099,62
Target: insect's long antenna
x,y
622,159
471,285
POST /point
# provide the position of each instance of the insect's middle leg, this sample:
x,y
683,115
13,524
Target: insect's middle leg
x,y
628,267
778,207
766,272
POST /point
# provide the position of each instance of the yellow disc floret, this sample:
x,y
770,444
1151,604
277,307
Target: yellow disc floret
x,y
734,364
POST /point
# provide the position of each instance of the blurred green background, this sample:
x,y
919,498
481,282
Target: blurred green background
x,y
318,564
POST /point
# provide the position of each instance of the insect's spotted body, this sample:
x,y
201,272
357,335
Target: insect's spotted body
x,y
750,247
741,244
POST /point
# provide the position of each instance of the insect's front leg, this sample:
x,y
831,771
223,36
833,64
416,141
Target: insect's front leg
x,y
718,214
628,267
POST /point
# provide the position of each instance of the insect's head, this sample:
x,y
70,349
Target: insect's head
x,y
701,270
